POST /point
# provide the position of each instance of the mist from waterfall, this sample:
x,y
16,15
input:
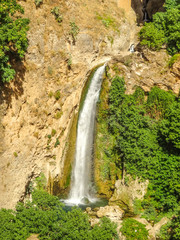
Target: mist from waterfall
x,y
82,190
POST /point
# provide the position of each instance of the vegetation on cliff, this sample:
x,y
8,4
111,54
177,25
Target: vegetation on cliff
x,y
164,30
13,37
146,144
147,140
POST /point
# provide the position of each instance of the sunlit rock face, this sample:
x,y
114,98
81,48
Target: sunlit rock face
x,y
150,6
124,4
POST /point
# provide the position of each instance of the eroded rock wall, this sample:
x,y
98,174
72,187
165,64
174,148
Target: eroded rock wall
x,y
39,106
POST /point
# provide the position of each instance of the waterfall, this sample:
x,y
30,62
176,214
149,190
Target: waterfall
x,y
81,188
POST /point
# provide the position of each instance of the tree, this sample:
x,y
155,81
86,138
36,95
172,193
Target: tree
x,y
164,29
13,37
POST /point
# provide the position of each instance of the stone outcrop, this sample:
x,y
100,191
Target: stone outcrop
x,y
155,229
146,69
126,192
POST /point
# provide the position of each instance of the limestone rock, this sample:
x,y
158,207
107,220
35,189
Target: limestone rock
x,y
115,213
126,193
29,110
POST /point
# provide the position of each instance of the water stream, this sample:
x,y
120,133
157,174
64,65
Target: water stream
x,y
82,190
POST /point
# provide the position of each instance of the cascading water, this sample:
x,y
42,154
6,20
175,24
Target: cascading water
x,y
81,188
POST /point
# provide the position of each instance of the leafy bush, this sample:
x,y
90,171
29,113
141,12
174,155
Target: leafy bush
x,y
40,182
45,216
134,230
13,37
173,60
152,37
147,141
164,29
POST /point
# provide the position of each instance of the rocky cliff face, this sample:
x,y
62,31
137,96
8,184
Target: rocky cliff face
x,y
38,108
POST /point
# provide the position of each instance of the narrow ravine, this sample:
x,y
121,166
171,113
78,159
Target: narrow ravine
x,y
82,190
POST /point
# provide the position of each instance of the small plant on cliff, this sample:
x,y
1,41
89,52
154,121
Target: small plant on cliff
x,y
58,114
53,132
38,2
57,143
56,12
74,31
15,154
173,60
57,95
41,182
13,37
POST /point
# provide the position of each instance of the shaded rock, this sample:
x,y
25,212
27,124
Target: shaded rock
x,y
150,6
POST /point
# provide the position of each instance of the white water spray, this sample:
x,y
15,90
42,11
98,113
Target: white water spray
x,y
81,189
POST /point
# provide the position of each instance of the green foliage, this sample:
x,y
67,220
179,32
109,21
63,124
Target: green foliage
x,y
175,227
105,231
57,143
158,102
45,216
57,95
74,31
53,132
152,37
11,227
171,230
173,60
13,37
164,29
108,21
56,12
134,230
41,182
15,154
38,2
147,141
169,127
137,206
58,114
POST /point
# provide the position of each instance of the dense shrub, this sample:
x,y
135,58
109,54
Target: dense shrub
x,y
13,37
147,140
164,29
134,230
45,216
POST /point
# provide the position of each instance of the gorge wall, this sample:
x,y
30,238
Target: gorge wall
x,y
39,106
